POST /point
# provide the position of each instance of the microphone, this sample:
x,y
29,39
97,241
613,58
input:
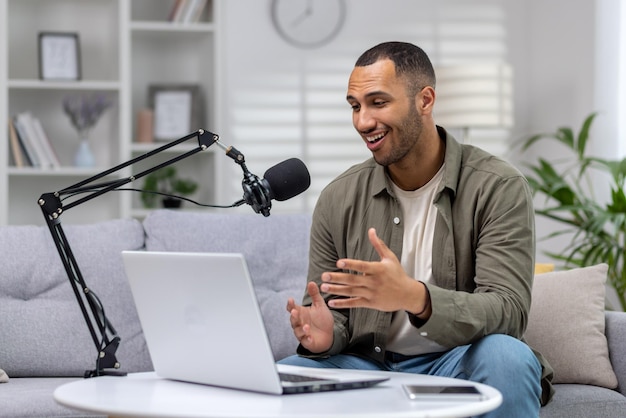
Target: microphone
x,y
287,179
281,182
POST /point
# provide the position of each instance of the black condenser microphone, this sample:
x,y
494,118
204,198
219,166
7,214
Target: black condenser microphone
x,y
287,179
281,182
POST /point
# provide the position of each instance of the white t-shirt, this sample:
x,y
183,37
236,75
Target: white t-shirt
x,y
419,216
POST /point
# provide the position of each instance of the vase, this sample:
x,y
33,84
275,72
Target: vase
x,y
84,156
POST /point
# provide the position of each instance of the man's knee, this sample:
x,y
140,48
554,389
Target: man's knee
x,y
505,355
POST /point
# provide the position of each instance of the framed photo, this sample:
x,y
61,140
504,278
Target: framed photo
x,y
59,56
177,110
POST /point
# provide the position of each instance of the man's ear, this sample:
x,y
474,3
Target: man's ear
x,y
425,100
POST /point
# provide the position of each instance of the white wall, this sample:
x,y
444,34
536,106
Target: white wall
x,y
553,52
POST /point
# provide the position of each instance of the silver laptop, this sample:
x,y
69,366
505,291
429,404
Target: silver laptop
x,y
202,324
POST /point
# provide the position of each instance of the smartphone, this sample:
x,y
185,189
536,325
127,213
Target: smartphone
x,y
457,393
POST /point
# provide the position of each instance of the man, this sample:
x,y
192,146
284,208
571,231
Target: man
x,y
422,257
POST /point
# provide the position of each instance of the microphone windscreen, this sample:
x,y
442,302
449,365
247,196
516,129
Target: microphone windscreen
x,y
287,179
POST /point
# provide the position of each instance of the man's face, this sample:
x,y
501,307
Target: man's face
x,y
386,119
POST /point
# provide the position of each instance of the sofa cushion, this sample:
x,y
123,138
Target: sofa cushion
x,y
584,401
33,397
616,336
43,330
275,249
566,324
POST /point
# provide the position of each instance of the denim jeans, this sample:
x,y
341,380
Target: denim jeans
x,y
500,361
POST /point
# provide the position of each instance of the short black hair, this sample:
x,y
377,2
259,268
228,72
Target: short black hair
x,y
410,61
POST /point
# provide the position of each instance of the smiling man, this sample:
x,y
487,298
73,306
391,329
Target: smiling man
x,y
421,257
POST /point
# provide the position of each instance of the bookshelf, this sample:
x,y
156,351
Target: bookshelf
x,y
126,46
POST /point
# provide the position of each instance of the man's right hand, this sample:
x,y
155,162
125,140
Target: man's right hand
x,y
312,325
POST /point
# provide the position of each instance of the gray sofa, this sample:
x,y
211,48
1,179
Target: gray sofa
x,y
44,341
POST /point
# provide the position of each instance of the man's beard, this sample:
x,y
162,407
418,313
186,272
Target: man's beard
x,y
410,131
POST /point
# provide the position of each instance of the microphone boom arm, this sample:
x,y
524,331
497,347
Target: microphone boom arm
x,y
103,333
255,190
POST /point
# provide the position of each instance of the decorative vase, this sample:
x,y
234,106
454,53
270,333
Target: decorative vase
x,y
84,156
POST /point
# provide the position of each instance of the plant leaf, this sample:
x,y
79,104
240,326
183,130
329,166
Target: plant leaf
x,y
566,136
583,135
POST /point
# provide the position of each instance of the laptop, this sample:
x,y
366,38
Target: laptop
x,y
202,324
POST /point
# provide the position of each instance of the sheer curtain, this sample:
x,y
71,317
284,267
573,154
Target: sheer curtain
x,y
610,79
620,110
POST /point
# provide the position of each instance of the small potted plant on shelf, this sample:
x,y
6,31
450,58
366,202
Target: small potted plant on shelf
x,y
165,182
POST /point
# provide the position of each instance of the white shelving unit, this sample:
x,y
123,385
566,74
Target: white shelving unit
x,y
166,53
125,46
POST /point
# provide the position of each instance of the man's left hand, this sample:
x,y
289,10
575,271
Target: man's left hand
x,y
382,285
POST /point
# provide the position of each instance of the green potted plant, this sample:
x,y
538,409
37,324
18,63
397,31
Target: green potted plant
x,y
598,229
166,182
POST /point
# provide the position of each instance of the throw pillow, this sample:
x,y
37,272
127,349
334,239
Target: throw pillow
x,y
566,325
3,376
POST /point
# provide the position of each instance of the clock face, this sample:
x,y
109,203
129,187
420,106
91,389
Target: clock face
x,y
308,23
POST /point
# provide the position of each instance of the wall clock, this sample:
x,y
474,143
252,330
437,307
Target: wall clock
x,y
308,23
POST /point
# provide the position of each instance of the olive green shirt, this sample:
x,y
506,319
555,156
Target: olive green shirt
x,y
482,260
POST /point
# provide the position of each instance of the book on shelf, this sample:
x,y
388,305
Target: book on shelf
x,y
176,11
17,152
26,145
187,11
43,138
34,141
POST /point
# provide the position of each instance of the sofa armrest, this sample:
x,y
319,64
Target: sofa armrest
x,y
616,336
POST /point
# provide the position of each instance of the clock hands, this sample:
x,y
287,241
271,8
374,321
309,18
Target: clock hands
x,y
308,11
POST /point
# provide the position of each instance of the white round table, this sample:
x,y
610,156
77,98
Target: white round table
x,y
148,395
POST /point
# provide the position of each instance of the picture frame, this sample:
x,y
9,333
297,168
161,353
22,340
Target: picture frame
x,y
177,110
59,56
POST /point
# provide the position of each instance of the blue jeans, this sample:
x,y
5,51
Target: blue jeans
x,y
500,361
